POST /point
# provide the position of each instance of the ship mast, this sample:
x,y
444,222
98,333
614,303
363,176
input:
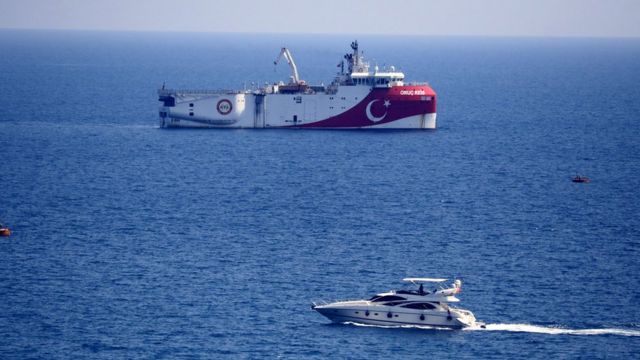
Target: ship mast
x,y
294,69
355,60
356,55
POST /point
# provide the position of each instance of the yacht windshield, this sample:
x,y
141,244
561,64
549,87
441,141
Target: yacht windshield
x,y
408,292
386,298
420,306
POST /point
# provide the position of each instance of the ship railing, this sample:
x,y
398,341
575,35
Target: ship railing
x,y
327,302
318,303
417,83
323,302
165,92
462,311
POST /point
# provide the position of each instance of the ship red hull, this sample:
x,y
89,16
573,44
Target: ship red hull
x,y
383,106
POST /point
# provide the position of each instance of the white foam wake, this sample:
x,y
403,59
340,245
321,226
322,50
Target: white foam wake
x,y
536,329
525,328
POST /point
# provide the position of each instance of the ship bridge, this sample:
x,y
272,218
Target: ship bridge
x,y
358,72
385,78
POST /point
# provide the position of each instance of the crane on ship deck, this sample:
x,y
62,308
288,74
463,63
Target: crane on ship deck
x,y
294,69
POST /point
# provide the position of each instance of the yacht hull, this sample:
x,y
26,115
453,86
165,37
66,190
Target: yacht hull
x,y
391,316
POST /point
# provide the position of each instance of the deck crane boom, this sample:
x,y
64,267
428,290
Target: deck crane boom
x,y
294,70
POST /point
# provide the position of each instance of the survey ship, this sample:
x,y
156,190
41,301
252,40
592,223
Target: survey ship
x,y
359,97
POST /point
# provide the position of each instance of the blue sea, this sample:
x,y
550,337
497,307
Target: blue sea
x,y
131,241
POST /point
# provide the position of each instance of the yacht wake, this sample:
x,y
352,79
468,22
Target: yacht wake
x,y
523,328
551,330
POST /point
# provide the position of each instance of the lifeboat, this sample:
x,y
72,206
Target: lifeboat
x,y
580,179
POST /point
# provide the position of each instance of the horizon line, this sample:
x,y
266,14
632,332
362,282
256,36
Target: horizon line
x,y
530,36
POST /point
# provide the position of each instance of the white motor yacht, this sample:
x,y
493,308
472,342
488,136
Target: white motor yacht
x,y
420,307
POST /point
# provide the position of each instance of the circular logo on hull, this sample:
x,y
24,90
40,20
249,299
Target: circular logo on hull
x,y
375,119
224,107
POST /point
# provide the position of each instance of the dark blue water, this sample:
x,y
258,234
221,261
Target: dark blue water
x,y
135,242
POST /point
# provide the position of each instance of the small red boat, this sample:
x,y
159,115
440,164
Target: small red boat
x,y
4,231
580,179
